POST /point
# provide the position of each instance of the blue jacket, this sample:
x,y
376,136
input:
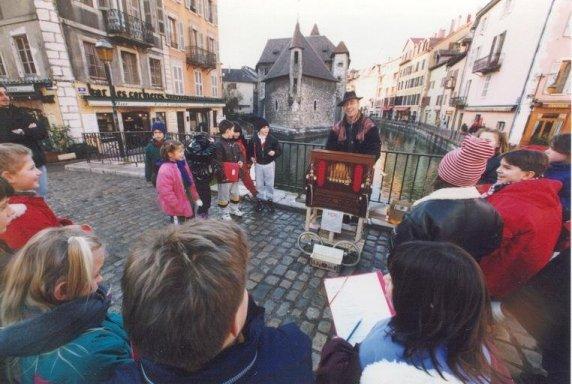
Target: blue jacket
x,y
267,356
561,172
76,342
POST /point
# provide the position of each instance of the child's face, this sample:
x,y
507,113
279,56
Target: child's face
x,y
491,138
177,155
229,133
98,260
158,135
5,215
264,131
556,157
236,135
27,178
508,173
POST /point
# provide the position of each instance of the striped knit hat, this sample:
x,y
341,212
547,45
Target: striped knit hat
x,y
464,166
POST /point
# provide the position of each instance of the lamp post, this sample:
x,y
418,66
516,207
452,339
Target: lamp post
x,y
104,51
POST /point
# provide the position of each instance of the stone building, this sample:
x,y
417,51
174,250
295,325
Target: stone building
x,y
241,85
165,62
303,80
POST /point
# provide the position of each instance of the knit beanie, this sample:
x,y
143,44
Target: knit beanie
x,y
464,166
260,123
158,125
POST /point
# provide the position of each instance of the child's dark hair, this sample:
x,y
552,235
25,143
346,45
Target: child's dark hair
x,y
224,126
182,287
561,144
169,146
6,189
528,160
441,300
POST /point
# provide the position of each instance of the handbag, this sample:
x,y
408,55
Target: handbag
x,y
230,172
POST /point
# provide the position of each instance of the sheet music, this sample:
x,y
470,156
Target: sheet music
x,y
355,298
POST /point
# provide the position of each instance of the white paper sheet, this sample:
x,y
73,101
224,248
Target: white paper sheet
x,y
355,298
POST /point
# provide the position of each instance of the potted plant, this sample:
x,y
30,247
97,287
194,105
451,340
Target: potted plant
x,y
58,144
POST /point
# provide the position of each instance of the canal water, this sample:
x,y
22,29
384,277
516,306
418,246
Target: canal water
x,y
405,170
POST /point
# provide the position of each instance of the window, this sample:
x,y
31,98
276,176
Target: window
x,y
87,2
214,85
423,64
315,105
198,83
95,67
156,72
132,7
561,78
181,41
501,125
25,54
566,32
172,30
483,25
507,6
178,79
276,104
295,57
2,68
147,11
486,86
231,86
130,67
160,17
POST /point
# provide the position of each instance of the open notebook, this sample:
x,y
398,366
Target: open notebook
x,y
357,299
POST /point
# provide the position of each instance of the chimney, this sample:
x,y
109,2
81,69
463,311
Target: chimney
x,y
452,27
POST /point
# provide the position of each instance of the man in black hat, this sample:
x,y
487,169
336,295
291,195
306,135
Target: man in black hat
x,y
354,133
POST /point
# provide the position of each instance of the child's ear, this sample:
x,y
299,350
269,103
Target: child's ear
x,y
528,175
8,176
60,291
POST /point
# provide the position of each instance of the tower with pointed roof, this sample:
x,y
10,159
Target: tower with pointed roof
x,y
300,80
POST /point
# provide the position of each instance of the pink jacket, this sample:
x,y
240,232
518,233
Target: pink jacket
x,y
171,194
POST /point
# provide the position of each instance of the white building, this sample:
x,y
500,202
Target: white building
x,y
242,85
387,86
365,83
505,37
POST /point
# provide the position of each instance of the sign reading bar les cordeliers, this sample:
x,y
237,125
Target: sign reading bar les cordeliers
x,y
143,95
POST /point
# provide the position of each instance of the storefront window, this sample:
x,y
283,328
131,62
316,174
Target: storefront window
x,y
104,122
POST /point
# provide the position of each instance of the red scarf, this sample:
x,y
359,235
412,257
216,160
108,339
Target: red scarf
x,y
365,124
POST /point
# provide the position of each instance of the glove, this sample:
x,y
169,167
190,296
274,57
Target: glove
x,y
17,210
199,203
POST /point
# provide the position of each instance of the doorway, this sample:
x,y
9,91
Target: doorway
x,y
136,127
181,123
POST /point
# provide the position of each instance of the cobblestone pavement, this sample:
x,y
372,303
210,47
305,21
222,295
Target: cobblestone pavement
x,y
121,209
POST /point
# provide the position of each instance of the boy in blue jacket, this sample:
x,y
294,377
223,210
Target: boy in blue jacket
x,y
190,319
559,169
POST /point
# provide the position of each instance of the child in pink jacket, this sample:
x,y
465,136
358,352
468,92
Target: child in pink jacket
x,y
175,185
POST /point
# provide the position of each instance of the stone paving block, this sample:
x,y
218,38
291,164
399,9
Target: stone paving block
x,y
312,313
319,341
285,284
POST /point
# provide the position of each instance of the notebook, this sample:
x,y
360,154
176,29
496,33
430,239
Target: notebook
x,y
357,299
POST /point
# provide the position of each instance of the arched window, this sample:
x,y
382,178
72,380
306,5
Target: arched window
x,y
295,57
276,104
315,105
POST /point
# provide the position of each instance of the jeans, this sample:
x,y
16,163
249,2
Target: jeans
x,y
265,180
43,188
228,192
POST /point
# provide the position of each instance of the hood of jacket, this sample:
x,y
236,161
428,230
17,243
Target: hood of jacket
x,y
45,331
454,193
541,193
389,372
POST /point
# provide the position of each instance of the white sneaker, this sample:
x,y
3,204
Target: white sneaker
x,y
226,217
236,211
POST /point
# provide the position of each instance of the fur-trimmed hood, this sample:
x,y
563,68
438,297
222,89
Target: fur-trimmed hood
x,y
386,372
453,193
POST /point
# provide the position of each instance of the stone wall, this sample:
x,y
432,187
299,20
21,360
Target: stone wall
x,y
301,116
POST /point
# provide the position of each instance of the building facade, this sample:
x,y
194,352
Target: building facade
x,y
365,83
505,35
240,89
161,69
303,78
387,87
544,110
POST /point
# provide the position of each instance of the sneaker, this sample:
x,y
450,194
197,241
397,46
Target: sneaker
x,y
236,211
258,207
270,206
226,217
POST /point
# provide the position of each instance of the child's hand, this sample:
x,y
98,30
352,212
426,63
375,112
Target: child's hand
x,y
240,163
271,153
17,210
199,203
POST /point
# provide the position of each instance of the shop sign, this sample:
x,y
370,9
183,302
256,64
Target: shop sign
x,y
83,91
141,95
20,88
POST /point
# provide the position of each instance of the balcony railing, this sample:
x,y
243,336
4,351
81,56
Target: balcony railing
x,y
201,57
449,82
458,101
122,26
490,63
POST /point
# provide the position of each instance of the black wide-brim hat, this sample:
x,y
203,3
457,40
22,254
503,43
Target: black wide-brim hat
x,y
348,96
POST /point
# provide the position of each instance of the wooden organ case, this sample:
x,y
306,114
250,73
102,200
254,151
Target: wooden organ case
x,y
340,181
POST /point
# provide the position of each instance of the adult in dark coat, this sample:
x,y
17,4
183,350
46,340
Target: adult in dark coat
x,y
20,127
355,133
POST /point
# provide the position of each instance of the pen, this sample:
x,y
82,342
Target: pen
x,y
353,330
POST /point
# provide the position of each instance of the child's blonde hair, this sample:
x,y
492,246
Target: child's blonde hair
x,y
501,136
170,146
12,156
50,257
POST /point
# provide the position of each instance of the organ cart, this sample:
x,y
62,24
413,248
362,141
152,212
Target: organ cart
x,y
337,184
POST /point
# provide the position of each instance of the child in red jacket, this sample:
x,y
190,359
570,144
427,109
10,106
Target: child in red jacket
x,y
17,167
532,217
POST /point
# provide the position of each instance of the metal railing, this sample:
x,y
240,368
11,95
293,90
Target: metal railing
x,y
458,101
121,24
437,137
401,175
488,64
201,57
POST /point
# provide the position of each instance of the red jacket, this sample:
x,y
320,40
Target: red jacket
x,y
532,217
38,216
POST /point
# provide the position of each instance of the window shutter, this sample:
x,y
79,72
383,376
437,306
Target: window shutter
x,y
168,33
215,14
160,17
188,4
180,35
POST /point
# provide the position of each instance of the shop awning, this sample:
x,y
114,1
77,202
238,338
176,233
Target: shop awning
x,y
490,108
402,109
387,108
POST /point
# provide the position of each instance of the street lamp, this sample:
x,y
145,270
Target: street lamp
x,y
104,51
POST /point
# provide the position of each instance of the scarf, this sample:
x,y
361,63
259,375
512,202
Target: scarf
x,y
187,181
364,125
494,188
158,144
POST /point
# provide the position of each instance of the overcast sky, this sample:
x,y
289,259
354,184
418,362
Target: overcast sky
x,y
372,29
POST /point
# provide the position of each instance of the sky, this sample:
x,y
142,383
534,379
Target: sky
x,y
373,30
